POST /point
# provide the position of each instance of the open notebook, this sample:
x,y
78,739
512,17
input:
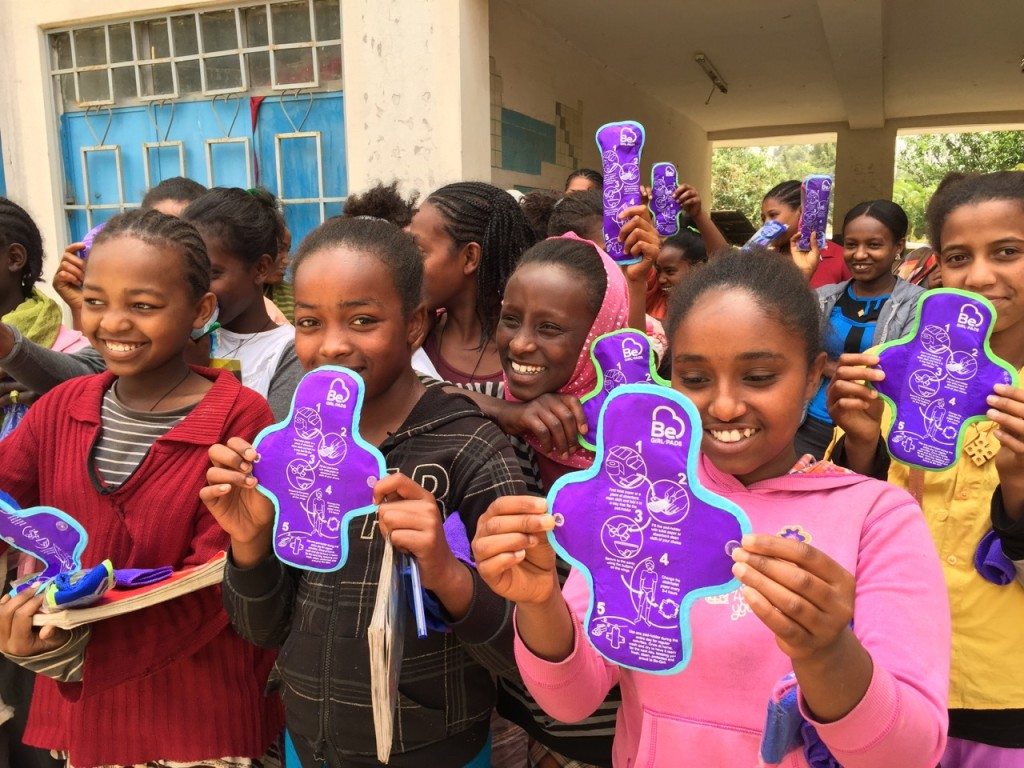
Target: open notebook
x,y
118,602
386,636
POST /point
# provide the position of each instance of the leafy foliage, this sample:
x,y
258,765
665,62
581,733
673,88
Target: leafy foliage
x,y
923,160
741,175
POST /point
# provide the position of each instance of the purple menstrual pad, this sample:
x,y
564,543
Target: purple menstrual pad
x,y
87,240
48,534
664,207
938,376
318,470
620,357
643,531
766,235
815,194
620,145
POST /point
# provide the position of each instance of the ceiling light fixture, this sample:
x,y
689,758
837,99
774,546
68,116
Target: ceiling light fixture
x,y
717,81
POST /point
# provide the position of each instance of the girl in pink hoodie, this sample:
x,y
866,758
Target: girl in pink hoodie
x,y
842,605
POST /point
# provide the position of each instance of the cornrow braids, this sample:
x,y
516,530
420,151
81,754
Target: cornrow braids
x,y
16,226
159,229
786,192
577,212
247,222
475,212
594,177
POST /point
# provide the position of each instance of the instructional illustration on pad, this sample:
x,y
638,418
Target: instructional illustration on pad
x,y
643,531
937,378
664,207
620,358
620,145
318,471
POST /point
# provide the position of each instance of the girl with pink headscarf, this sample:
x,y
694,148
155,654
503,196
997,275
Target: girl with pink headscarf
x,y
565,292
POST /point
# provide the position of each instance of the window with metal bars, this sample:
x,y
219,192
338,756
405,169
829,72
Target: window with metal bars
x,y
258,49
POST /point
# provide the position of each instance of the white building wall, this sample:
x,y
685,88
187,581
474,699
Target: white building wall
x,y
535,68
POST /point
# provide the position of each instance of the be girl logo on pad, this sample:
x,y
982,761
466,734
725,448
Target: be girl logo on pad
x,y
621,357
643,531
620,145
938,376
318,470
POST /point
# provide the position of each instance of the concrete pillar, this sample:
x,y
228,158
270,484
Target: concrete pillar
x,y
865,164
417,92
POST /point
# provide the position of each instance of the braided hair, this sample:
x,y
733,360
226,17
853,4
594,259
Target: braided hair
x,y
786,192
247,222
594,177
16,226
159,230
475,212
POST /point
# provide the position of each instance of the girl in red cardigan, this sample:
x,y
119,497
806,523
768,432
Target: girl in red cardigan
x,y
125,453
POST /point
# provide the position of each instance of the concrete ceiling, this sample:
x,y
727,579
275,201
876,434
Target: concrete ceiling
x,y
787,62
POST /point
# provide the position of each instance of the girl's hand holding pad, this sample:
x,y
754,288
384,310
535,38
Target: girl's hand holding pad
x,y
799,592
17,636
512,552
855,407
244,513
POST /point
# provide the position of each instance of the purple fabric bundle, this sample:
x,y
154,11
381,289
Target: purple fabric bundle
x,y
620,145
992,563
815,194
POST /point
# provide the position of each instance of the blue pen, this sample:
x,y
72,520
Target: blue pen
x,y
417,595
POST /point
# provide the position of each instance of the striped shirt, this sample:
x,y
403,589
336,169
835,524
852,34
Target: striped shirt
x,y
126,437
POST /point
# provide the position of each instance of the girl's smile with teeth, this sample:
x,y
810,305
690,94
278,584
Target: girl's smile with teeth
x,y
121,346
526,370
731,435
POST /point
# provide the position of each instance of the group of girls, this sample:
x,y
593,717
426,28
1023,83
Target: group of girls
x,y
843,595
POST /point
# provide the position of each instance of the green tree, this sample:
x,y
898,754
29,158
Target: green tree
x,y
741,175
923,160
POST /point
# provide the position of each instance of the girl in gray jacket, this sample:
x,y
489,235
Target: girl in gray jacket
x,y
873,307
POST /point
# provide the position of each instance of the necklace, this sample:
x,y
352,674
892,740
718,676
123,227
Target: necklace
x,y
233,354
166,394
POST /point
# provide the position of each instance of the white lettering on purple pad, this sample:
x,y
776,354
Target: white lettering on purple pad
x,y
664,207
48,534
318,470
620,357
649,538
938,376
816,193
620,145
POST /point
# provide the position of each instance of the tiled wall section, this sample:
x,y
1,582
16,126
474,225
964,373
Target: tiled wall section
x,y
522,143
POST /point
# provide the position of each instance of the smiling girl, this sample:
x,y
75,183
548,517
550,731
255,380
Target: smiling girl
x,y
976,225
358,288
564,294
783,203
872,308
871,676
124,452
